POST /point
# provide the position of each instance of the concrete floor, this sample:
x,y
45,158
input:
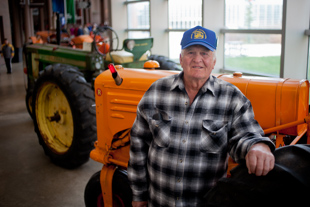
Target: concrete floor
x,y
27,176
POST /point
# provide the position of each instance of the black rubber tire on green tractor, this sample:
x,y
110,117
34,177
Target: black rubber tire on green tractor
x,y
28,100
165,63
122,194
64,115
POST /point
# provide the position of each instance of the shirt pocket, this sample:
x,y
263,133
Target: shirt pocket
x,y
160,124
213,136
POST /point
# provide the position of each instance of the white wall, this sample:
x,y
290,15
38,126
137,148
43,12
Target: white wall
x,y
296,43
213,19
159,23
119,19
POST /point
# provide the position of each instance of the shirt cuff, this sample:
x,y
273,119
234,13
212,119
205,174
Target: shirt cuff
x,y
266,141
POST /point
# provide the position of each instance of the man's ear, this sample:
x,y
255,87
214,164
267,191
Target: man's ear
x,y
181,59
214,63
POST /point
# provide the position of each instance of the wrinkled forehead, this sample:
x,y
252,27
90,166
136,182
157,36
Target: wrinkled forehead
x,y
197,47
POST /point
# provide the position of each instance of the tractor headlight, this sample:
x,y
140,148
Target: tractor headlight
x,y
98,65
98,62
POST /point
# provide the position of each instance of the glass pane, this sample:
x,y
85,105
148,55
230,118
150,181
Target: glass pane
x,y
252,53
174,45
185,15
139,15
137,34
251,14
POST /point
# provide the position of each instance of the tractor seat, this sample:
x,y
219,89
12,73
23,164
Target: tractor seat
x,y
122,56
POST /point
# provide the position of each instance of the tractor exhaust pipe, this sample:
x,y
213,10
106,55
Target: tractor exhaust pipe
x,y
58,35
118,80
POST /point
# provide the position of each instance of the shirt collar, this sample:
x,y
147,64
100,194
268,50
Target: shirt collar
x,y
178,83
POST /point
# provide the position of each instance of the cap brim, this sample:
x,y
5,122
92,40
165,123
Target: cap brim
x,y
199,43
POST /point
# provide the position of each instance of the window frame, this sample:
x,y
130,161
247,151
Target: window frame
x,y
260,31
138,30
168,30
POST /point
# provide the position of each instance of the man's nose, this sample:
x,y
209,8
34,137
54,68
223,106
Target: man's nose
x,y
197,58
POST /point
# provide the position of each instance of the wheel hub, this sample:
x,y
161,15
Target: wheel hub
x,y
54,118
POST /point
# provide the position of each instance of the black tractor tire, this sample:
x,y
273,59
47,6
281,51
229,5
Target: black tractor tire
x,y
64,115
28,100
122,194
165,63
288,184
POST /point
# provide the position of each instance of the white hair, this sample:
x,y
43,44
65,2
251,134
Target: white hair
x,y
214,53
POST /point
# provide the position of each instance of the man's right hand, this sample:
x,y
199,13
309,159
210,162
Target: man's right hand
x,y
139,203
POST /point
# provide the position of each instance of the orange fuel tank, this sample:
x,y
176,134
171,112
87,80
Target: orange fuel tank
x,y
275,101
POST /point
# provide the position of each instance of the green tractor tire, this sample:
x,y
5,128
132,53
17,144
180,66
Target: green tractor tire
x,y
120,189
64,115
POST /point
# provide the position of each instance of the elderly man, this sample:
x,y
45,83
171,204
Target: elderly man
x,y
186,126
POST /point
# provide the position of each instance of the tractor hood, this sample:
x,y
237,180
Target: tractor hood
x,y
116,106
133,79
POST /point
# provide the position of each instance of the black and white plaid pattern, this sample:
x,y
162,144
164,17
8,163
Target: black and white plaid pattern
x,y
178,151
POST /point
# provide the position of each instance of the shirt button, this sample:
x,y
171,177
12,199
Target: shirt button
x,y
181,160
186,103
186,122
179,180
183,140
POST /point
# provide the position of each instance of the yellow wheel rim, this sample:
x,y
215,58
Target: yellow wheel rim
x,y
54,118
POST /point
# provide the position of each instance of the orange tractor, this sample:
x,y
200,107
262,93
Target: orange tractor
x,y
281,107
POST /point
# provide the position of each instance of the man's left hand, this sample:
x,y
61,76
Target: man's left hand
x,y
259,159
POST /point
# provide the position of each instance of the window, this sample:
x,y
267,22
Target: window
x,y
253,36
182,16
138,19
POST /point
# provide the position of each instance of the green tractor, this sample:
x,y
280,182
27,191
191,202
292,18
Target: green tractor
x,y
60,96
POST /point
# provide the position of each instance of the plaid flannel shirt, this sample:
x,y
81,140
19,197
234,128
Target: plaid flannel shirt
x,y
178,151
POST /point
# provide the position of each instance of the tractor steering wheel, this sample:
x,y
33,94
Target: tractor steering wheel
x,y
105,40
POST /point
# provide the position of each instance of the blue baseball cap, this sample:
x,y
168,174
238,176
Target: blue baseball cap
x,y
199,36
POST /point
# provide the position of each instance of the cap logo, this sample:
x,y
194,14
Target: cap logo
x,y
198,34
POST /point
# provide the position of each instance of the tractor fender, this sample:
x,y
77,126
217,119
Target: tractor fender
x,y
287,184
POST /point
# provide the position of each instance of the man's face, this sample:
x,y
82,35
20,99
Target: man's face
x,y
6,42
197,62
